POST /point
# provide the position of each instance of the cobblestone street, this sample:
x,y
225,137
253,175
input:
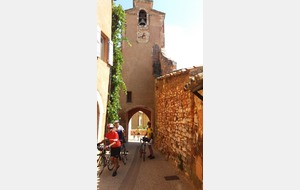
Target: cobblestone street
x,y
153,174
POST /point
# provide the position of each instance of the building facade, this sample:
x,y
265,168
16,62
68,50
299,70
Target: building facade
x,y
142,60
104,62
167,97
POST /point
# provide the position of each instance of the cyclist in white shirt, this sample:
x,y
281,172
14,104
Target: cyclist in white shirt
x,y
121,131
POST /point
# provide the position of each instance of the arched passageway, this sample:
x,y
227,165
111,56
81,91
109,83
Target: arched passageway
x,y
137,119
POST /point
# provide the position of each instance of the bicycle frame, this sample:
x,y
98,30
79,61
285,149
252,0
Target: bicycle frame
x,y
104,160
123,154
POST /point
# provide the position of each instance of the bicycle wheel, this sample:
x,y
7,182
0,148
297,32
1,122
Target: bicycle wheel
x,y
110,165
124,148
101,165
124,157
98,160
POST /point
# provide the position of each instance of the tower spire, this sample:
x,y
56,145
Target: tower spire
x,y
138,3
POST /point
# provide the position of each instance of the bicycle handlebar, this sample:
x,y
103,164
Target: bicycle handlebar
x,y
145,139
102,147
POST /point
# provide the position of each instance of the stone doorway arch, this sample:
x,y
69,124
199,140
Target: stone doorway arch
x,y
131,114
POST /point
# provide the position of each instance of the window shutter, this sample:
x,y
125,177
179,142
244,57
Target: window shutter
x,y
110,53
98,41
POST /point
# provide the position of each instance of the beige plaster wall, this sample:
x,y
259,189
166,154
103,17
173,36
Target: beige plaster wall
x,y
104,12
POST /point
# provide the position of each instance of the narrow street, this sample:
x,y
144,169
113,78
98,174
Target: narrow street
x,y
153,174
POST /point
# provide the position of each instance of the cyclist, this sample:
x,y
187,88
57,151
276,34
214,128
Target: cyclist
x,y
149,135
121,131
115,144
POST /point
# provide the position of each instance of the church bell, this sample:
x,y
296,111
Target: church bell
x,y
143,22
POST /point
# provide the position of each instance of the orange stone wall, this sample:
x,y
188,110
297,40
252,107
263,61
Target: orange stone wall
x,y
178,127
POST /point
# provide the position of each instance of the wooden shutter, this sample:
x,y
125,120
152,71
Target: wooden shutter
x,y
98,41
110,53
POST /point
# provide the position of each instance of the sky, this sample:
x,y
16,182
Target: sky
x,y
183,29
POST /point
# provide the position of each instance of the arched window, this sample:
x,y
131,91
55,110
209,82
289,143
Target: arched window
x,y
142,18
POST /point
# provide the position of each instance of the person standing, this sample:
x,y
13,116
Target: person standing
x,y
121,131
149,135
115,145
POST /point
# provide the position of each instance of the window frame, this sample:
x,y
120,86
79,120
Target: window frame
x,y
104,47
129,97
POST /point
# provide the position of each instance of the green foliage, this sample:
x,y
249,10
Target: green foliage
x,y
117,83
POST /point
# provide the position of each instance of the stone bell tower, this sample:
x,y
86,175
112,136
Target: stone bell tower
x,y
145,32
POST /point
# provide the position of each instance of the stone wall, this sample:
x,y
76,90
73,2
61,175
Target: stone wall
x,y
178,126
198,139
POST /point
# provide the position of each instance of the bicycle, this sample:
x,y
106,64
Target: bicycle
x,y
143,142
104,160
123,154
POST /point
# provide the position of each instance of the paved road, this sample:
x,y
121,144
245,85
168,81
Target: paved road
x,y
148,175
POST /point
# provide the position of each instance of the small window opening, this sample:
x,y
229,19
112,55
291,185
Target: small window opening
x,y
129,97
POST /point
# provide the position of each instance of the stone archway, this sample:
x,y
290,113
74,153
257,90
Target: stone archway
x,y
147,115
131,112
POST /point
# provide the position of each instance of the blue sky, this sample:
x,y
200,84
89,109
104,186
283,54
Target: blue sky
x,y
183,29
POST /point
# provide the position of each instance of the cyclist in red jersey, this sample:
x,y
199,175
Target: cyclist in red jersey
x,y
115,144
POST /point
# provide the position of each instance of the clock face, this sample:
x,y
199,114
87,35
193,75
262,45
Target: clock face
x,y
143,36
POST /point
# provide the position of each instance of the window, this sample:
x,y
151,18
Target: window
x,y
104,48
129,97
142,18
